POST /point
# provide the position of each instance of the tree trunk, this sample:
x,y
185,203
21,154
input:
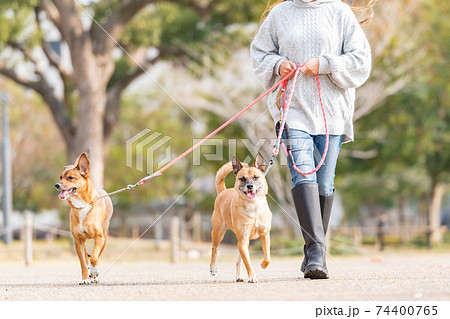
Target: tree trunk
x,y
423,205
437,193
89,134
404,233
91,75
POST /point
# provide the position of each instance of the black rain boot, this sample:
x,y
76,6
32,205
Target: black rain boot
x,y
307,204
326,203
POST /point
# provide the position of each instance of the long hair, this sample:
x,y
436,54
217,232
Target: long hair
x,y
367,9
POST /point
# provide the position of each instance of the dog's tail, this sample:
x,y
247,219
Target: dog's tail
x,y
220,176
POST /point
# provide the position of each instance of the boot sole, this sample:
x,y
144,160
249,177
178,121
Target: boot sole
x,y
316,274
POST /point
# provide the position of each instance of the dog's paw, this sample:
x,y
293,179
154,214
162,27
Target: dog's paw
x,y
252,280
87,281
213,271
239,279
94,272
265,263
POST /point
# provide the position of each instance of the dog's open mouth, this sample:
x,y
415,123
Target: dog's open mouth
x,y
250,194
67,193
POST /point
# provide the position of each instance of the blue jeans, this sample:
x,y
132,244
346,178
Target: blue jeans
x,y
307,151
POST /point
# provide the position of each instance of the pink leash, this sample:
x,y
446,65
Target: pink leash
x,y
277,144
217,130
284,111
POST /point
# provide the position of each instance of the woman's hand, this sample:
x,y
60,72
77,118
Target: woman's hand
x,y
310,67
286,67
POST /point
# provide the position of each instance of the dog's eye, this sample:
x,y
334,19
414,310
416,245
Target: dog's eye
x,y
60,178
243,179
70,178
255,177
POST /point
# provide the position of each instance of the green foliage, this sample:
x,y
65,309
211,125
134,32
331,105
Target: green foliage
x,y
123,67
409,133
136,117
236,11
15,17
38,154
187,38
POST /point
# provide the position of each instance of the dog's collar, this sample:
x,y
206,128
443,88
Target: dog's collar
x,y
79,204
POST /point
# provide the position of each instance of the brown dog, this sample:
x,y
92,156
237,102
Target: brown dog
x,y
244,210
89,215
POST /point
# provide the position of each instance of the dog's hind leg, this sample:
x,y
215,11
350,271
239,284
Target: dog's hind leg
x,y
218,231
103,248
98,248
105,236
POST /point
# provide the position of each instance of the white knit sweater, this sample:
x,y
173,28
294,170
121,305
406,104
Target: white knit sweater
x,y
300,30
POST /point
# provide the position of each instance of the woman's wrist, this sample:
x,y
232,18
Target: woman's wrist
x,y
278,65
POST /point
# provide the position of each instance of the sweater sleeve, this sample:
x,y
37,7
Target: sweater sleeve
x,y
351,69
264,53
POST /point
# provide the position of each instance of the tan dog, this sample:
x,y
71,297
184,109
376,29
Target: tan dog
x,y
89,216
244,210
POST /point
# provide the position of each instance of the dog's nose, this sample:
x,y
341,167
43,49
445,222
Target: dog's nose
x,y
250,186
58,185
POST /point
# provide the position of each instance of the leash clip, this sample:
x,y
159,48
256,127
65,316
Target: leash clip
x,y
145,179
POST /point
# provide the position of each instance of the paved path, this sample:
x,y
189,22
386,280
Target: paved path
x,y
392,277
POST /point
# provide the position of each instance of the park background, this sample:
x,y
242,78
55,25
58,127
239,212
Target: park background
x,y
182,68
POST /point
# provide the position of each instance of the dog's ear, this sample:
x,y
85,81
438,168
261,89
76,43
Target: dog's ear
x,y
82,164
259,162
237,166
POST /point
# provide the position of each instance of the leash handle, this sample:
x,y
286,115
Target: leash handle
x,y
327,137
280,128
287,133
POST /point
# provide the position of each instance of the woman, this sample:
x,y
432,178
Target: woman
x,y
325,38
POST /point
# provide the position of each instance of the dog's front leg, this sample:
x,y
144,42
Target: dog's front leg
x,y
218,231
79,247
99,244
243,243
86,258
239,269
265,243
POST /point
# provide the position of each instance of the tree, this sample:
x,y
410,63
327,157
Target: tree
x,y
408,135
393,34
88,109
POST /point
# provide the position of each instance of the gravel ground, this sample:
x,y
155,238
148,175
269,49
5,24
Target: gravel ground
x,y
417,277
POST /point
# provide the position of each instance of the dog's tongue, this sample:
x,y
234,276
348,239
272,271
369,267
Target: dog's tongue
x,y
63,194
251,195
